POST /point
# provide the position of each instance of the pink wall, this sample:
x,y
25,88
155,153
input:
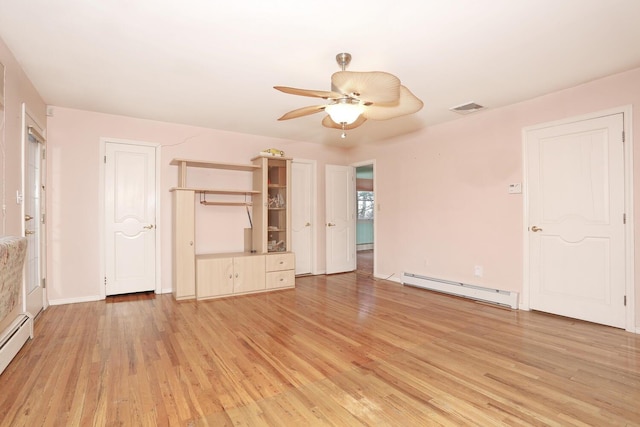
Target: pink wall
x,y
444,206
18,90
74,200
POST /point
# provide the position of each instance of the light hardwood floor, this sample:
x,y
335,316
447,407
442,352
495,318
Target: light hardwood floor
x,y
337,350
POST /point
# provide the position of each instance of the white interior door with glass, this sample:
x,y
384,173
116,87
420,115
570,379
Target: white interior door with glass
x,y
33,203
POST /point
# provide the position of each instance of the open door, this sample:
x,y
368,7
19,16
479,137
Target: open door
x,y
302,214
340,219
33,204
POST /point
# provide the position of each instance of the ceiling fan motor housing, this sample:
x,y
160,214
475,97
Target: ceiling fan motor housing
x,y
343,59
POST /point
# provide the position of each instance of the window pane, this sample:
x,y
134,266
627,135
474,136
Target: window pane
x,y
365,204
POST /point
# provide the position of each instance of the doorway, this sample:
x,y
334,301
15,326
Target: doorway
x,y
365,217
578,188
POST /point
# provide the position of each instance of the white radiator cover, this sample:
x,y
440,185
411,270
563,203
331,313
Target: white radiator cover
x,y
495,296
13,338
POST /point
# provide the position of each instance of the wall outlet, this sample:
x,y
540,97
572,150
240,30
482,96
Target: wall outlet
x,y
477,271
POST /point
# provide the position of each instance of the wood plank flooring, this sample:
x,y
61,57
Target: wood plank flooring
x,y
342,350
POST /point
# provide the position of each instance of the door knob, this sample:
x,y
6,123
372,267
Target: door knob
x,y
29,232
535,229
308,224
330,224
28,217
148,227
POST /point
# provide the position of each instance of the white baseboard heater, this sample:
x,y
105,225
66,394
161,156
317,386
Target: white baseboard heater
x,y
14,338
495,296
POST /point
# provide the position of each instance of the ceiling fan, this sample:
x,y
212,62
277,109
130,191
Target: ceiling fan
x,y
357,97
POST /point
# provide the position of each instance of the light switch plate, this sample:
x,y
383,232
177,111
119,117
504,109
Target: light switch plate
x,y
515,188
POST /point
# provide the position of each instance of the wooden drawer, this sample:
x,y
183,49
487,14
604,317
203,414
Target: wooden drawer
x,y
279,262
281,279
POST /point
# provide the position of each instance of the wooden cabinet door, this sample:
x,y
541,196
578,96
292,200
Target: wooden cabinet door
x,y
249,274
215,277
184,244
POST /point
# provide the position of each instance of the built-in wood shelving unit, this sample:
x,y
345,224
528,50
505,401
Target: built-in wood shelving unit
x,y
266,270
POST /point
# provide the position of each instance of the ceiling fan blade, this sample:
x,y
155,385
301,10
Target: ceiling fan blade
x,y
327,122
408,103
308,92
370,86
300,112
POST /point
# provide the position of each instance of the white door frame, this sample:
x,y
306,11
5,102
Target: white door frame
x,y
101,207
314,212
628,198
375,214
27,116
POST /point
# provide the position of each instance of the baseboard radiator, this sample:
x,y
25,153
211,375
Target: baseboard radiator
x,y
495,296
13,338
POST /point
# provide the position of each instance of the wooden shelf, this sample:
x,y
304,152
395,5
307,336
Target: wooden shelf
x,y
214,165
183,164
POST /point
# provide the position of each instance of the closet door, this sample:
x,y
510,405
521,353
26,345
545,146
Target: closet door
x,y
130,218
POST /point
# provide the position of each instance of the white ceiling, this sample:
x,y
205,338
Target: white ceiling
x,y
213,63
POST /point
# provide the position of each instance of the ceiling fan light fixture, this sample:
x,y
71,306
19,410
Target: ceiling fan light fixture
x,y
344,111
356,97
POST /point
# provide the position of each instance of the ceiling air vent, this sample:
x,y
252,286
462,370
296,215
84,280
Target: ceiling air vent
x,y
468,108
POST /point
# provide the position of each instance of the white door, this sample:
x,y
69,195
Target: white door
x,y
340,219
575,186
130,218
34,215
301,215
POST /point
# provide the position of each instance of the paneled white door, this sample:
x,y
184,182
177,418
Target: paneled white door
x,y
301,215
130,218
340,218
575,188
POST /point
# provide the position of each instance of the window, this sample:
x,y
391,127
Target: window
x,y
365,204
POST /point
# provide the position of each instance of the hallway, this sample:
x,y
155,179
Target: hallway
x,y
364,260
